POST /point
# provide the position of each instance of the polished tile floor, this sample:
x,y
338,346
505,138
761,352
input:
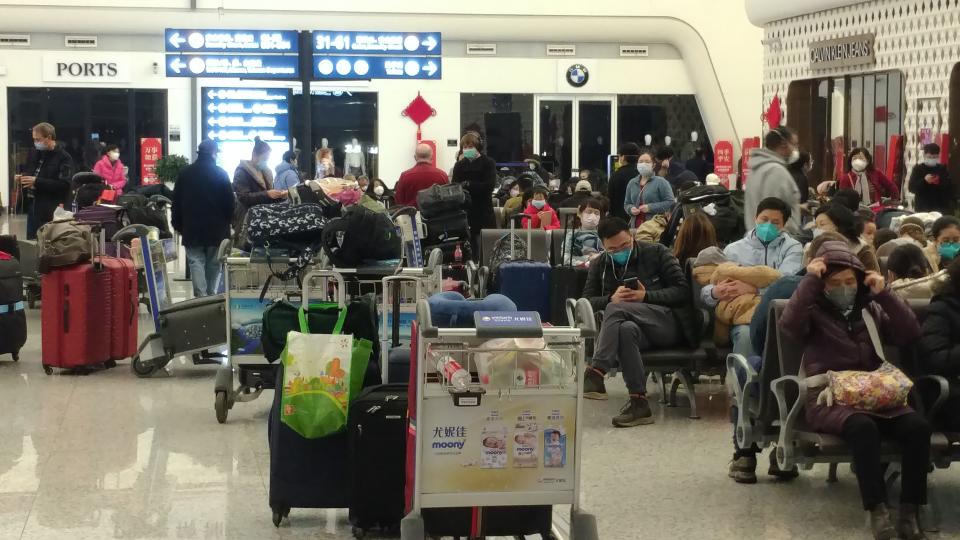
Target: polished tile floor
x,y
108,455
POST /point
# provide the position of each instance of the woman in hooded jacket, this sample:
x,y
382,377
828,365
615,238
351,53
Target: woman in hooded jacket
x,y
253,185
825,314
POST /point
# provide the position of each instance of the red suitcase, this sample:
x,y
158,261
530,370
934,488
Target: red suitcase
x,y
75,315
123,299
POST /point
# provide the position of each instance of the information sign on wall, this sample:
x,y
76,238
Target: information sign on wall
x,y
723,161
849,51
246,54
239,66
231,41
423,43
375,67
233,117
151,149
376,55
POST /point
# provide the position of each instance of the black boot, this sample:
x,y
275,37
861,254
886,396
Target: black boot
x,y
880,523
907,526
593,387
635,413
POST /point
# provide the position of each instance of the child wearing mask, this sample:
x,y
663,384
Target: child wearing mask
x,y
540,214
582,244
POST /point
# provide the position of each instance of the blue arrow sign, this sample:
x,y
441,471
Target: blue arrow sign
x,y
236,66
235,41
377,43
375,67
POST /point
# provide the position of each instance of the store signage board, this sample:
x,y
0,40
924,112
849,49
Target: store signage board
x,y
178,40
87,67
326,67
859,50
151,149
377,43
233,117
234,66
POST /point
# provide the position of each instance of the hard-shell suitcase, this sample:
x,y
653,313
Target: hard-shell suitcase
x,y
446,227
13,321
567,281
124,302
75,314
194,324
377,428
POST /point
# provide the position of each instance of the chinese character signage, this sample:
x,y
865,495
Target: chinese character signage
x,y
723,161
375,67
242,54
231,41
234,116
748,146
376,55
426,43
239,66
151,150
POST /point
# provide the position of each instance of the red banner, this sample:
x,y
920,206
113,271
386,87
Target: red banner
x,y
748,146
944,141
150,153
723,161
893,163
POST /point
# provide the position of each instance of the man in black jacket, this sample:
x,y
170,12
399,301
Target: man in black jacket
x,y
48,174
617,186
931,184
202,212
646,304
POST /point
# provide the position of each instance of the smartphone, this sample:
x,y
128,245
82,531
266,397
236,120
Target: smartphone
x,y
632,283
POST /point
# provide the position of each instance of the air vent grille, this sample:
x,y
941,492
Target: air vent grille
x,y
14,40
80,42
634,50
561,50
482,49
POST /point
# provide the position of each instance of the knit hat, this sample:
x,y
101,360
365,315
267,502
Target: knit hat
x,y
584,185
208,147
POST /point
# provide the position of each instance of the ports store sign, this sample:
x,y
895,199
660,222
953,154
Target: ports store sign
x,y
86,67
856,50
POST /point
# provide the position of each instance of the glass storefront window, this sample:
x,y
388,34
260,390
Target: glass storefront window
x,y
504,120
556,137
594,136
348,122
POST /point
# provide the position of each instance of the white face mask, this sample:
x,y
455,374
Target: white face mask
x,y
590,221
378,190
859,165
931,161
794,157
514,192
113,156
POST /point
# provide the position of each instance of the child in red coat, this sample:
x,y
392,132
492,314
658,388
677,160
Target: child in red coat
x,y
542,216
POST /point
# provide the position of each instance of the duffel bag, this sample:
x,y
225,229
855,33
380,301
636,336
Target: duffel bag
x,y
144,211
110,218
89,194
283,225
62,243
438,200
361,235
306,194
704,195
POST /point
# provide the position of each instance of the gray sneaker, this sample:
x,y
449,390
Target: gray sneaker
x,y
593,387
636,412
743,469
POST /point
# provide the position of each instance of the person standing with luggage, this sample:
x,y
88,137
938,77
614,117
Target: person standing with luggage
x,y
288,174
202,211
478,174
253,184
419,177
769,177
50,170
931,184
646,304
110,168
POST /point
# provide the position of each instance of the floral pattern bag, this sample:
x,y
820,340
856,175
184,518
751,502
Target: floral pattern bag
x,y
882,389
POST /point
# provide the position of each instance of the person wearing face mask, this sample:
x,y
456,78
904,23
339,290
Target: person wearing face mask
x,y
838,218
419,177
375,195
515,203
769,177
627,170
931,184
478,174
110,168
946,242
799,169
910,275
541,214
288,174
253,184
825,315
49,170
645,300
647,195
872,185
582,244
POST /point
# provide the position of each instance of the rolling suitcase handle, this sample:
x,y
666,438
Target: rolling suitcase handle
x,y
513,223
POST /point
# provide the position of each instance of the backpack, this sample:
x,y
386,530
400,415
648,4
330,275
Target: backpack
x,y
361,235
144,211
88,195
440,199
502,253
62,243
727,218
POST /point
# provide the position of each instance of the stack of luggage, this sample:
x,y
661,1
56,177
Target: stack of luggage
x,y
442,208
13,320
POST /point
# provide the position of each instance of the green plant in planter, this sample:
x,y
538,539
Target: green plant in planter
x,y
168,168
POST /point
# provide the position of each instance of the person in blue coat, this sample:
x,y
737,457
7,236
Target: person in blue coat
x,y
647,195
288,175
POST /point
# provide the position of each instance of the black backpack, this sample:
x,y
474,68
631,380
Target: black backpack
x,y
143,211
360,235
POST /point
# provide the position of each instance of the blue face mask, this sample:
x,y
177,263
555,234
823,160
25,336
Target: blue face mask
x,y
471,153
621,258
262,164
949,250
767,232
40,146
538,204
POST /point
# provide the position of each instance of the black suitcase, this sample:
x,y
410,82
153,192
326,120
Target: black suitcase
x,y
377,428
565,282
13,320
449,249
447,227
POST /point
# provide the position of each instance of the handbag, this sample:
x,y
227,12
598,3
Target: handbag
x,y
440,199
282,225
883,389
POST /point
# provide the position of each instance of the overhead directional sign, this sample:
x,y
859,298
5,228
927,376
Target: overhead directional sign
x,y
234,116
235,41
375,67
377,43
239,66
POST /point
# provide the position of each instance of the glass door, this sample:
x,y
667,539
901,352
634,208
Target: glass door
x,y
574,133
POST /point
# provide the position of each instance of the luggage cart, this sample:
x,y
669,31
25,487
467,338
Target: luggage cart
x,y
191,327
513,436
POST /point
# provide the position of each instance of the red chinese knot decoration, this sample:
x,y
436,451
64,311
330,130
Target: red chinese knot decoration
x,y
419,111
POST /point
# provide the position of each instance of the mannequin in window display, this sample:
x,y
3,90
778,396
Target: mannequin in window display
x,y
325,164
690,147
353,162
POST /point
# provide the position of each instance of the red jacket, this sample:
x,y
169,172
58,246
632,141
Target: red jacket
x,y
535,217
112,173
880,185
413,180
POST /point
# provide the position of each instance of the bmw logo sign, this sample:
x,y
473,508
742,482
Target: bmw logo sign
x,y
578,75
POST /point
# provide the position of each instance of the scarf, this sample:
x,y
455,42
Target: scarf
x,y
862,186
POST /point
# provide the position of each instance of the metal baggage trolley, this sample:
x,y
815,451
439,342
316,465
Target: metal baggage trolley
x,y
511,436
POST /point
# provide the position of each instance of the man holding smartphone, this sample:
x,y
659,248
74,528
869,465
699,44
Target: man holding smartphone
x,y
52,169
646,304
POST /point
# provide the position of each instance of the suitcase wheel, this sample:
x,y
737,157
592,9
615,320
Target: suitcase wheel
x,y
143,369
47,369
110,364
279,514
221,405
16,356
